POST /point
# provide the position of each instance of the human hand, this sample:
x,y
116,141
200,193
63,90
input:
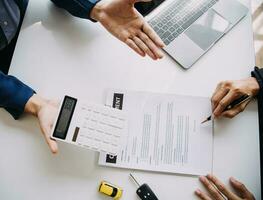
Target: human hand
x,y
218,191
45,111
228,91
123,21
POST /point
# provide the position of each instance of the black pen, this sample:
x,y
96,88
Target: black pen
x,y
234,104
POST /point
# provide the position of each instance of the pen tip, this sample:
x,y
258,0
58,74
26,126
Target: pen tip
x,y
207,119
204,121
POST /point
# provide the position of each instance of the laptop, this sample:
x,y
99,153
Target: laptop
x,y
189,28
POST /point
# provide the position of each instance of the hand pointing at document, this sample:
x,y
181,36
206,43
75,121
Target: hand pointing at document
x,y
123,21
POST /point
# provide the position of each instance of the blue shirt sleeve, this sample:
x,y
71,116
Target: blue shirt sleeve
x,y
13,95
258,74
78,8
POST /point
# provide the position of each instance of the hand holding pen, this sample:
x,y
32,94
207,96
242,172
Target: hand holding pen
x,y
237,102
232,97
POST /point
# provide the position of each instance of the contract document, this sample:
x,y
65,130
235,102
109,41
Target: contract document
x,y
165,133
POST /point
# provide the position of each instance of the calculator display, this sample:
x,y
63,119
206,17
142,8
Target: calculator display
x,y
64,117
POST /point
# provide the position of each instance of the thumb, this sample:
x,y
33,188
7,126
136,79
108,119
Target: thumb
x,y
53,146
241,189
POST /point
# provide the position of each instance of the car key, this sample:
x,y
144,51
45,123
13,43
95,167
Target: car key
x,y
144,191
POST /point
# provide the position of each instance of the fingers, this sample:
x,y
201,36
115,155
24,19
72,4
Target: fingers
x,y
228,91
235,111
149,42
241,188
130,27
147,29
202,195
224,102
154,49
219,93
218,190
221,187
211,188
132,45
144,47
51,143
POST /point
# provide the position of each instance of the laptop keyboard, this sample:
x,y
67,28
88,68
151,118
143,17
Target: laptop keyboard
x,y
178,16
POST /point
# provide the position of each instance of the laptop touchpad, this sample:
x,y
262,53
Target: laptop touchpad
x,y
207,29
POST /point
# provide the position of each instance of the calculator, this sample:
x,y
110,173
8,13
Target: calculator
x,y
93,126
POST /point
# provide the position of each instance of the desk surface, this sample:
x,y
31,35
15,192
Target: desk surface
x,y
58,54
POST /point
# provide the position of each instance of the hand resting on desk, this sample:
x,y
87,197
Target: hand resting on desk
x,y
218,190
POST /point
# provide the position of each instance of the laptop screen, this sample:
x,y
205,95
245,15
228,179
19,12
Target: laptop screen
x,y
146,7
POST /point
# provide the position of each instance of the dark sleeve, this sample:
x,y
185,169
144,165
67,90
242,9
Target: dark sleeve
x,y
258,74
78,8
13,95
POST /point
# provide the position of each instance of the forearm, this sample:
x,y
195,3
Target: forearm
x,y
14,95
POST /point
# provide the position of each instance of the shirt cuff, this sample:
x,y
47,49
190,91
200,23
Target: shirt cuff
x,y
17,105
93,2
86,8
258,75
78,8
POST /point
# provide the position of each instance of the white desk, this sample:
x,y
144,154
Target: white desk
x,y
66,55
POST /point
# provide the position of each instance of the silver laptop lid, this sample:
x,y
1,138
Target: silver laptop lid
x,y
188,47
189,28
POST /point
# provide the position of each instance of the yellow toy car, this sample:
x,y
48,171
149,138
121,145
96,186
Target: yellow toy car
x,y
110,190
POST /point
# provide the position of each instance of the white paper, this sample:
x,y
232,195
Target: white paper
x,y
165,133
